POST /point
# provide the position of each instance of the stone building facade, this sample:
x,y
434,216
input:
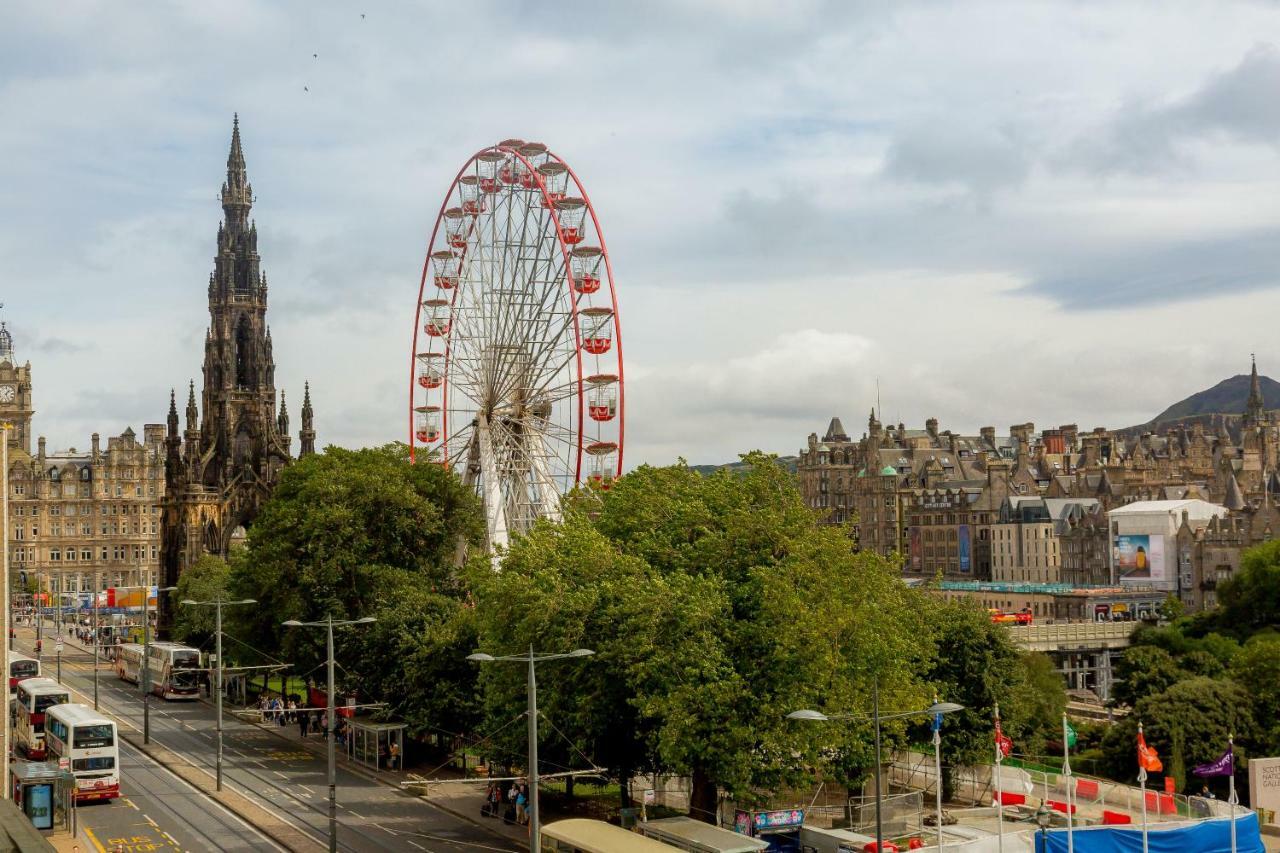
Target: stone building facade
x,y
227,460
933,497
79,521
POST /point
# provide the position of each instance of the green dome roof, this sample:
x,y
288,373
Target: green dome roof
x,y
889,471
862,473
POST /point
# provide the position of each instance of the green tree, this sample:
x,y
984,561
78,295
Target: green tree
x,y
1199,713
978,665
1257,669
767,612
1143,671
346,534
208,579
1038,703
1172,608
1201,662
1251,598
565,587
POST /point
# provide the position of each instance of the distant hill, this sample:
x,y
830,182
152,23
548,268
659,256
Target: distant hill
x,y
1228,397
788,462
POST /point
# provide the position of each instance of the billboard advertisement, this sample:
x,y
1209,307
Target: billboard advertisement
x,y
1139,558
915,550
966,550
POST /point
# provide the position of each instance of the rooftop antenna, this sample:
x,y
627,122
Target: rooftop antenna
x,y
879,414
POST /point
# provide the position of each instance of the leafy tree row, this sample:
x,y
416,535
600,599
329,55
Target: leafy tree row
x,y
715,605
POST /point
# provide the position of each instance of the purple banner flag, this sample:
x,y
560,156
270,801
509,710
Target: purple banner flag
x,y
1224,766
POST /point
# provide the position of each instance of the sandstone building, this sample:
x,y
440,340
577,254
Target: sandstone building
x,y
79,521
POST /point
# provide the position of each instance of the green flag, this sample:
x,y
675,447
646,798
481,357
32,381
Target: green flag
x,y
1071,735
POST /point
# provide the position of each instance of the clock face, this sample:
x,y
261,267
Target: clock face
x,y
7,393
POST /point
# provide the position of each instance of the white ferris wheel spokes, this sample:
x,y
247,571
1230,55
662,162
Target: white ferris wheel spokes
x,y
517,378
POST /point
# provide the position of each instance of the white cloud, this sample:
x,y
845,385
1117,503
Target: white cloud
x,y
799,199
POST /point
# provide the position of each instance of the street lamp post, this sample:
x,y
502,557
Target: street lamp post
x,y
535,817
936,710
6,623
96,638
146,656
329,625
217,604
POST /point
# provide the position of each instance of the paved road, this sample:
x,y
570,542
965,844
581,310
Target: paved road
x,y
278,775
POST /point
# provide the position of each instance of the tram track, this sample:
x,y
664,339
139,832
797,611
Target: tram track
x,y
293,791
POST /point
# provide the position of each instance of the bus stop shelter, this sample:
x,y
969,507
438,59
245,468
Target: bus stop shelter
x,y
371,744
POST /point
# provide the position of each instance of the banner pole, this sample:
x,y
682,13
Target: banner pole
x,y
999,792
1066,772
1231,786
1142,786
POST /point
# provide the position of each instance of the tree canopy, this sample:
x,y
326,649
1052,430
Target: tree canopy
x,y
355,533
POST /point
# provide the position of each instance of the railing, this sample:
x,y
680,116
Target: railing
x,y
915,770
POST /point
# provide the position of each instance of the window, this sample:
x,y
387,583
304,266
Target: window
x,y
89,736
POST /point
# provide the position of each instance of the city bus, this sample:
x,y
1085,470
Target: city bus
x,y
35,697
174,670
20,667
580,835
87,741
999,617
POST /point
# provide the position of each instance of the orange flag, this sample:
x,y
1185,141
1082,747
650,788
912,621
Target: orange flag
x,y
1147,758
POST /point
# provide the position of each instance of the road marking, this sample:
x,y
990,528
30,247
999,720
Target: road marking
x,y
278,773
415,844
98,844
151,821
357,814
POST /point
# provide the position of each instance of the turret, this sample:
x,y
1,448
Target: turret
x,y
307,436
282,420
1255,407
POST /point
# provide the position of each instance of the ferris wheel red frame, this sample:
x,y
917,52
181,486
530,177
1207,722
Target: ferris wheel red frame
x,y
477,276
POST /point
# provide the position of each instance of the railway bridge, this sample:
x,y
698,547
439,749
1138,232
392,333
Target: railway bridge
x,y
1084,652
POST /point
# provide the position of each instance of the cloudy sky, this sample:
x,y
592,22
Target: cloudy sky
x,y
1001,212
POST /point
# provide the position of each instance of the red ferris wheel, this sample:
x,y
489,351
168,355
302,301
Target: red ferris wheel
x,y
517,379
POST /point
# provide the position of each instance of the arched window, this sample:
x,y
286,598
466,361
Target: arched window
x,y
244,354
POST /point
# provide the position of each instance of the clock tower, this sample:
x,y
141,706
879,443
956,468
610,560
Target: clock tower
x,y
15,394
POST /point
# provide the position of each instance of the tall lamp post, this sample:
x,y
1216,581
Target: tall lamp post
x,y
145,681
329,625
6,624
936,710
217,605
535,826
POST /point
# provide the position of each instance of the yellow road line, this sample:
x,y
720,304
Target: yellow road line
x,y
94,839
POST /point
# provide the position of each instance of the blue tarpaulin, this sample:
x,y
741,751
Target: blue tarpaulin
x,y
1209,836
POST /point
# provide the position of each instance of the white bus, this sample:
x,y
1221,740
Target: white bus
x,y
35,697
20,667
128,662
174,670
87,740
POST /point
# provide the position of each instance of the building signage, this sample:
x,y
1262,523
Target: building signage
x,y
1139,558
966,550
775,820
1264,788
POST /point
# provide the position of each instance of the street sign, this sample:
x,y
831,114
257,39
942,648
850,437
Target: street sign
x,y
649,796
57,647
64,763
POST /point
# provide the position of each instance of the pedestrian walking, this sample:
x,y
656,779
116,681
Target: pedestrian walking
x,y
304,722
292,711
521,799
393,756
